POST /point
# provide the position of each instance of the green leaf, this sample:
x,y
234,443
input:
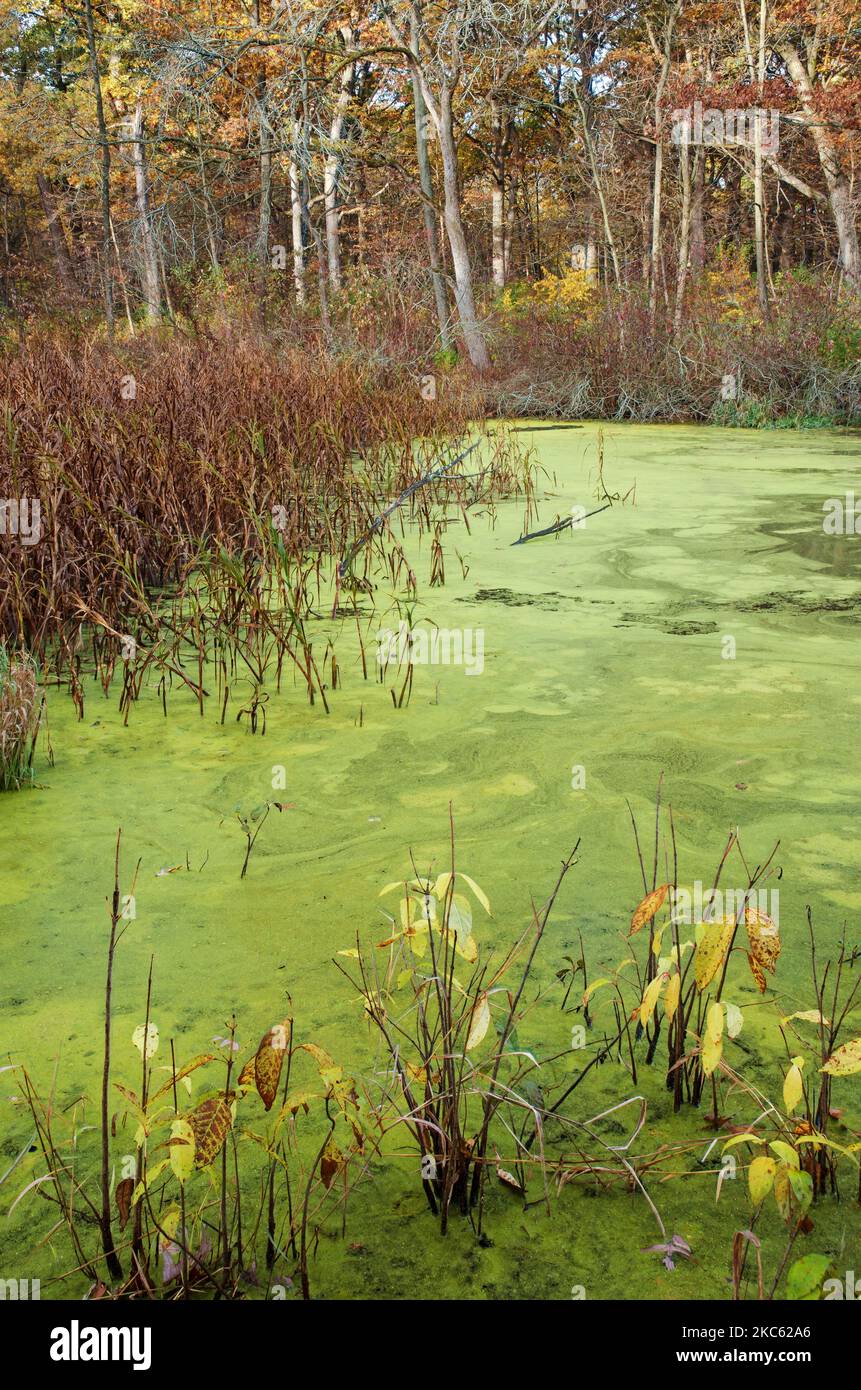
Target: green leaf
x,y
802,1187
479,893
805,1277
785,1152
460,917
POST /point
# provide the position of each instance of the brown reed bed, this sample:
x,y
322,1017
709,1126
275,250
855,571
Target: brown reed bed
x,y
20,708
198,500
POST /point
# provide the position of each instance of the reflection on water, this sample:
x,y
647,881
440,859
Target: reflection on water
x,y
839,556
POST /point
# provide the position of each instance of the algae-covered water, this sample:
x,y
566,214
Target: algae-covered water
x,y
706,630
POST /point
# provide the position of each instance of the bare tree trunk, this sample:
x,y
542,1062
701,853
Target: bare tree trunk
x,y
509,222
264,212
655,257
501,127
332,168
698,234
464,295
839,191
441,114
65,269
428,207
599,187
149,258
684,237
592,263
756,71
297,225
264,219
498,232
105,182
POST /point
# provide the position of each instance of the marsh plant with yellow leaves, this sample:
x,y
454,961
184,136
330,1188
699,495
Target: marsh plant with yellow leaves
x,y
218,1175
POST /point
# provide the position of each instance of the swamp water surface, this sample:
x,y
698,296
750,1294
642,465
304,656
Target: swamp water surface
x,y
603,649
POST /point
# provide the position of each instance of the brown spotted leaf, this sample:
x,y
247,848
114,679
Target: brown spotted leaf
x,y
247,1079
509,1180
648,907
182,1073
756,973
330,1162
123,1197
269,1060
210,1124
846,1061
764,938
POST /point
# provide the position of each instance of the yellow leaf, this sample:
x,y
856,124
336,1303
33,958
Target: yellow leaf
x,y
479,1022
181,1148
807,1016
479,893
151,1033
468,949
648,907
298,1100
760,1178
712,950
783,1192
170,1224
712,1045
650,998
845,1061
595,985
322,1058
671,998
182,1075
786,1153
793,1086
440,888
741,1139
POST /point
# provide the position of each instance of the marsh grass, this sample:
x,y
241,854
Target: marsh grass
x,y
196,1215
20,711
202,499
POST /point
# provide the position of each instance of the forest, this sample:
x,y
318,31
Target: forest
x,y
428,591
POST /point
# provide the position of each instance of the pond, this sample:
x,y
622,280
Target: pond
x,y
705,629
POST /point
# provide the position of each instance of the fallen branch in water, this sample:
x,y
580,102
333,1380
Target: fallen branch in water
x,y
560,526
405,495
